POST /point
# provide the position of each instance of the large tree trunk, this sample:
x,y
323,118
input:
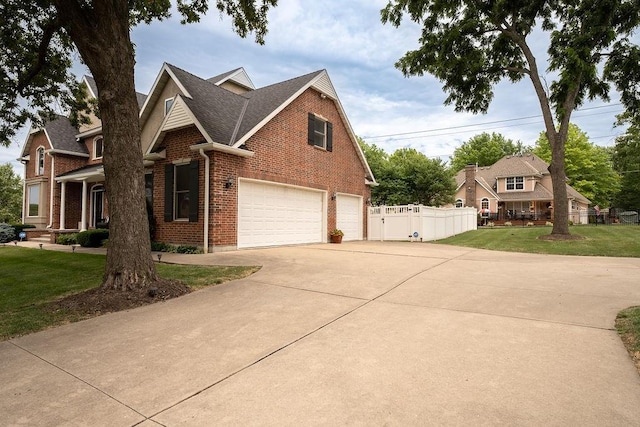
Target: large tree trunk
x,y
559,183
102,37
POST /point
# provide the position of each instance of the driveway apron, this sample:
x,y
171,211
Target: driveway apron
x,y
363,333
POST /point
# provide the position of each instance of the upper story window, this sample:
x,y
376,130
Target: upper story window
x,y
98,147
459,203
320,132
515,183
40,161
167,105
484,204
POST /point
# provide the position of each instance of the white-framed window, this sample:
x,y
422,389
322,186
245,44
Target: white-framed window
x,y
98,147
459,203
320,132
40,161
515,183
34,200
484,203
167,105
181,192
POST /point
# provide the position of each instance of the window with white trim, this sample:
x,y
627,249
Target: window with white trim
x,y
484,204
459,203
98,147
515,183
34,200
167,105
40,161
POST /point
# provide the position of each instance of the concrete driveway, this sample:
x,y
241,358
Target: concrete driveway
x,y
361,333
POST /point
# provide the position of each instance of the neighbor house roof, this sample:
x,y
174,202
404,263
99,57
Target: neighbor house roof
x,y
526,165
61,136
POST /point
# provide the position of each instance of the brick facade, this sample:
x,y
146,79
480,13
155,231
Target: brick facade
x,y
282,155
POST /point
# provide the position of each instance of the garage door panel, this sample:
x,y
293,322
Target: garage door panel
x,y
349,216
271,214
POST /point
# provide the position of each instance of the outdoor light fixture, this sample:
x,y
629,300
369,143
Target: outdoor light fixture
x,y
334,195
159,257
368,201
229,182
40,245
15,243
73,248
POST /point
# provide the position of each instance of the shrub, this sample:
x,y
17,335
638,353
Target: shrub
x,y
508,224
549,224
491,224
176,249
7,233
530,224
67,239
92,238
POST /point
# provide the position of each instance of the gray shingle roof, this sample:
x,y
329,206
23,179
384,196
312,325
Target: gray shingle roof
x,y
62,136
226,116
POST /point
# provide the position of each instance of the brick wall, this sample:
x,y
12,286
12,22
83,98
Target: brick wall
x,y
282,155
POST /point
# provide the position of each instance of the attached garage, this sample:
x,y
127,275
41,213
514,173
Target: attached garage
x,y
349,216
271,214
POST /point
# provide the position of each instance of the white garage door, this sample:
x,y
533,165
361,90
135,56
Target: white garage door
x,y
271,214
349,216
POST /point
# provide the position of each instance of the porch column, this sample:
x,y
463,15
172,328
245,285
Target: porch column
x,y
63,194
83,226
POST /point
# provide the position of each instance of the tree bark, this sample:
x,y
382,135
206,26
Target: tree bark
x,y
101,34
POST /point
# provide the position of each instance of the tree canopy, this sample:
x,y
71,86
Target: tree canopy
x,y
588,166
471,46
484,150
10,195
38,41
626,161
408,176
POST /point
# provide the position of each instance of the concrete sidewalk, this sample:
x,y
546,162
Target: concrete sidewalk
x,y
362,333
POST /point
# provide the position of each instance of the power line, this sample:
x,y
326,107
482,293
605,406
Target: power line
x,y
479,124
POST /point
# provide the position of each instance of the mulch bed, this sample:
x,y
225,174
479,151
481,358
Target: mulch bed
x,y
96,301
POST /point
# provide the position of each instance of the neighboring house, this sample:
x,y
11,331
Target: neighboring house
x,y
227,165
514,188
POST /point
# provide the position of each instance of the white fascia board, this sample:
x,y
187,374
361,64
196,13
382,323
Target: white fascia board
x,y
216,146
70,153
158,81
90,132
84,80
161,155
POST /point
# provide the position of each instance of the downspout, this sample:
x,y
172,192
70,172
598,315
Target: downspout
x,y
205,246
24,193
52,188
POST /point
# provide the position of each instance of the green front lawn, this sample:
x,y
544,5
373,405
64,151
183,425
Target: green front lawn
x,y
31,278
605,240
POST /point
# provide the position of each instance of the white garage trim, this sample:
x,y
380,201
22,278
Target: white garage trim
x,y
349,216
273,214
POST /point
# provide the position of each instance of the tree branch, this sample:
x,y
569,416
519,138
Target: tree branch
x,y
47,35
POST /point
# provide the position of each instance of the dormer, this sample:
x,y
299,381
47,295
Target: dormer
x,y
236,81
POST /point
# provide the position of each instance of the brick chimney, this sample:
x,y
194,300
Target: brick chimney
x,y
470,185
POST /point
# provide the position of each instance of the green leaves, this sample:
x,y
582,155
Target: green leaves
x,y
588,167
484,150
408,176
10,195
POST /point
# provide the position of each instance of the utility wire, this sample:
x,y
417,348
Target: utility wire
x,y
479,124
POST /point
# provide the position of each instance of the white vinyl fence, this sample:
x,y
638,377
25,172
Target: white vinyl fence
x,y
419,223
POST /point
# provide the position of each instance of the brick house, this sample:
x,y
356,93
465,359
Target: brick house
x,y
227,165
514,188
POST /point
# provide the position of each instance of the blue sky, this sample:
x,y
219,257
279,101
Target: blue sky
x,y
348,39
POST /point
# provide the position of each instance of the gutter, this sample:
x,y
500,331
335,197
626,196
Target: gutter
x,y
52,188
207,191
216,146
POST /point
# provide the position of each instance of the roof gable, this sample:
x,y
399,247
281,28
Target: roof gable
x,y
238,76
61,136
